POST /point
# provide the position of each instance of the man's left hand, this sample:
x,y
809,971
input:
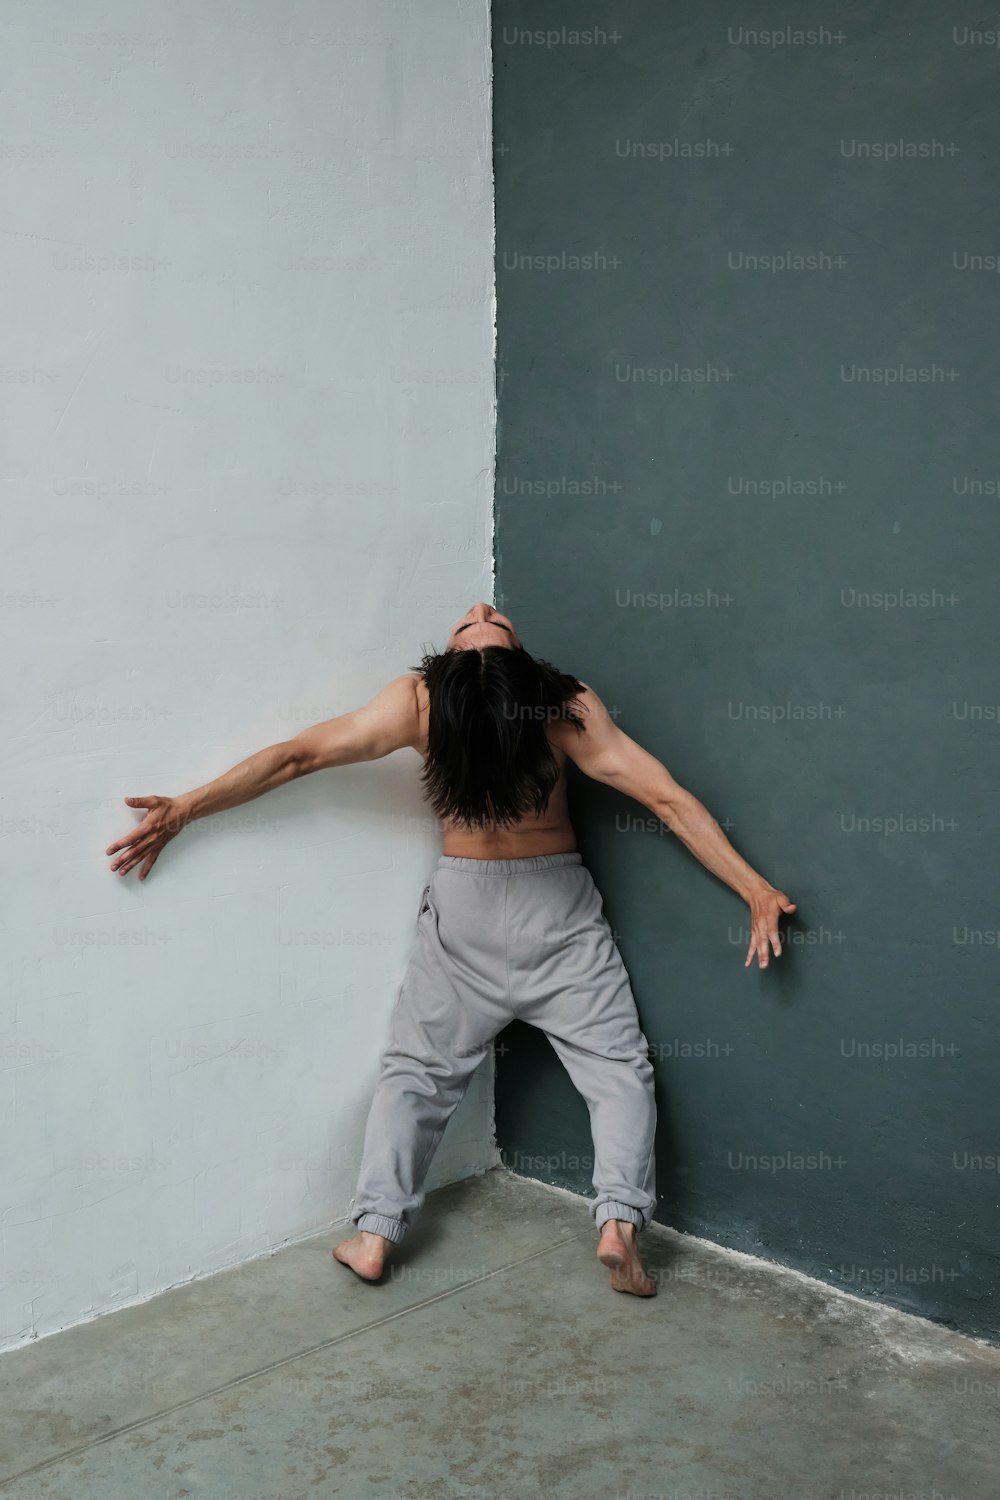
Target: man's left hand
x,y
765,907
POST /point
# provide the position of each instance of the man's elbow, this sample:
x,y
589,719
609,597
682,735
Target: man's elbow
x,y
668,800
321,750
297,758
649,783
312,750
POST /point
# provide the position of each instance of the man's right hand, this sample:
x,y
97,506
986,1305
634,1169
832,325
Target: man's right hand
x,y
163,821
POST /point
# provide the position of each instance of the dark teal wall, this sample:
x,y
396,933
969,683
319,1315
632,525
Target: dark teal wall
x,y
758,499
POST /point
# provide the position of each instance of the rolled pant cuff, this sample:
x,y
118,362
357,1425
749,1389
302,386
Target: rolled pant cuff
x,y
607,1211
390,1229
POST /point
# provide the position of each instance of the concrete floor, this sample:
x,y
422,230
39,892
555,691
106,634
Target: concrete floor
x,y
495,1360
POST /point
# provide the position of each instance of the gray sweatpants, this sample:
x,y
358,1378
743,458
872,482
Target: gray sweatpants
x,y
498,940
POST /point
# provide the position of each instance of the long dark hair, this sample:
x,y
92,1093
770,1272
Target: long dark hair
x,y
488,759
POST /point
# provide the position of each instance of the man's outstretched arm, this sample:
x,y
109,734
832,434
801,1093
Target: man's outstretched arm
x,y
605,753
389,722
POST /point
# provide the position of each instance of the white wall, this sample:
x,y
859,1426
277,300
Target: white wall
x,y
198,565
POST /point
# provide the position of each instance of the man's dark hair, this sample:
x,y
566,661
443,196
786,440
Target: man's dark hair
x,y
488,759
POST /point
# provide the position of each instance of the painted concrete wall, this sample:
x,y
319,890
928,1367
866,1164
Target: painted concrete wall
x,y
247,471
754,504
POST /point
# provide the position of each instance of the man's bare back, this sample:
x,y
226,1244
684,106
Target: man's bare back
x,y
551,833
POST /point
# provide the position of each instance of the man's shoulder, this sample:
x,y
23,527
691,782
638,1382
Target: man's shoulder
x,y
584,703
560,732
396,707
416,687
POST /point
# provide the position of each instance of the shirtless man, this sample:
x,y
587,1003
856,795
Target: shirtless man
x,y
618,1088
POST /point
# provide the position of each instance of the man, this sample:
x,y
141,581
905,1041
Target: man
x,y
511,924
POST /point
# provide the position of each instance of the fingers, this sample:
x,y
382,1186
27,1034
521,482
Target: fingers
x,y
758,946
123,867
765,937
135,833
763,955
764,928
132,846
128,840
135,859
139,848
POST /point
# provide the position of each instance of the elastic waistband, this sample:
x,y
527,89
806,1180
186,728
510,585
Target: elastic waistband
x,y
527,865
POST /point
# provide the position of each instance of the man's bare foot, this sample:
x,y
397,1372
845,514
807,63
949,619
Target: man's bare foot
x,y
618,1251
365,1253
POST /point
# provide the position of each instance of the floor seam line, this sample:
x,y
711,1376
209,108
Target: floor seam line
x,y
228,1385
